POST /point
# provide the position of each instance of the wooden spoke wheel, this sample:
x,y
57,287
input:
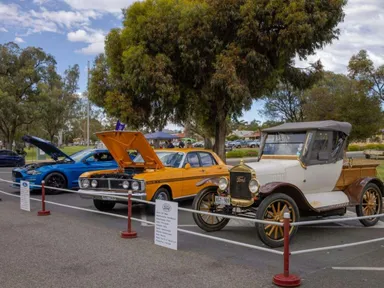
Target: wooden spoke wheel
x,y
272,208
205,201
371,203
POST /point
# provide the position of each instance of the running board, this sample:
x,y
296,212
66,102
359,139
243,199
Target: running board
x,y
327,200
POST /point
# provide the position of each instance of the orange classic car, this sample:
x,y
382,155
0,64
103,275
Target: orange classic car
x,y
166,174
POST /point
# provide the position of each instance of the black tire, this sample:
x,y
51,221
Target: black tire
x,y
372,199
56,180
162,194
200,219
367,156
263,211
103,205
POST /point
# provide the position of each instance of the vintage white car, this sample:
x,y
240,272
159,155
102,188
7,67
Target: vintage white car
x,y
301,167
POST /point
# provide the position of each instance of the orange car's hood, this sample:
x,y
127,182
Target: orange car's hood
x,y
119,142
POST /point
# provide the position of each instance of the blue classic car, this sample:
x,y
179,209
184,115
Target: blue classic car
x,y
65,170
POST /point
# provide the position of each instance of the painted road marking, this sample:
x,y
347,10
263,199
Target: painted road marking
x,y
359,268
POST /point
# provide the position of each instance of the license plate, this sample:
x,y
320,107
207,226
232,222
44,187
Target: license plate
x,y
220,200
108,198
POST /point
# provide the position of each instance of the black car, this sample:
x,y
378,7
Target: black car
x,y
9,158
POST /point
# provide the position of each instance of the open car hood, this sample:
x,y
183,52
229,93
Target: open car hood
x,y
46,146
119,142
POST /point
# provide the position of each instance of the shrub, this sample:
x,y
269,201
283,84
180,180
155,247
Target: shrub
x,y
242,153
356,147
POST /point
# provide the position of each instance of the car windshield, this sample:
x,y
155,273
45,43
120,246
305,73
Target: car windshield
x,y
284,144
79,155
168,158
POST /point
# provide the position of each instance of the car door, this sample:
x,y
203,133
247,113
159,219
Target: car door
x,y
321,174
102,161
209,165
191,174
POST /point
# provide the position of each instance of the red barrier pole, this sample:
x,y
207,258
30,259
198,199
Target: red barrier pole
x,y
43,212
129,234
286,280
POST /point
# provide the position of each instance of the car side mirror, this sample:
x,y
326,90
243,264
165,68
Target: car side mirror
x,y
323,156
187,166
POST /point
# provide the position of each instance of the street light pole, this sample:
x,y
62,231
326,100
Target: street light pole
x,y
88,109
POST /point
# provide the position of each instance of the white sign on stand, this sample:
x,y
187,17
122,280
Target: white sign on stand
x,y
166,224
25,201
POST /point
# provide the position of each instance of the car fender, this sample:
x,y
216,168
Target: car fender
x,y
47,172
356,188
288,189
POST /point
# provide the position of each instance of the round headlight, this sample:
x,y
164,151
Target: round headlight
x,y
254,186
125,184
85,183
223,183
135,186
94,183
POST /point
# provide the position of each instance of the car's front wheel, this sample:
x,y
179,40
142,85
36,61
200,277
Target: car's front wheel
x,y
205,201
371,203
103,205
272,208
161,194
56,180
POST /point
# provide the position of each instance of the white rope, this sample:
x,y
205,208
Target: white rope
x,y
336,246
231,242
301,223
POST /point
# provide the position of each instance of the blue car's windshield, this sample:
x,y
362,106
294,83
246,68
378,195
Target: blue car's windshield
x,y
79,155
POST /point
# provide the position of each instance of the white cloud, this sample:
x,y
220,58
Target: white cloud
x,y
112,6
361,29
95,39
44,20
2,29
19,40
92,49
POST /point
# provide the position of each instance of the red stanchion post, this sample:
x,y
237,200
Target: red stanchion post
x,y
43,212
129,234
285,279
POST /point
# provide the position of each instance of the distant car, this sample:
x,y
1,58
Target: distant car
x,y
239,144
199,144
9,158
65,170
254,144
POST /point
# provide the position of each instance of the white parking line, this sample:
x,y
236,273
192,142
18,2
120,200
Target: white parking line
x,y
359,268
143,216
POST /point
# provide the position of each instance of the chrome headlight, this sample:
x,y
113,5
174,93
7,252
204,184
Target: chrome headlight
x,y
33,172
85,183
223,183
94,183
254,186
135,186
125,184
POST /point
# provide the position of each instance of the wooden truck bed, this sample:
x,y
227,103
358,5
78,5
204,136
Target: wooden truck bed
x,y
355,169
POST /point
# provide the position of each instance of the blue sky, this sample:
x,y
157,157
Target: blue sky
x,y
73,32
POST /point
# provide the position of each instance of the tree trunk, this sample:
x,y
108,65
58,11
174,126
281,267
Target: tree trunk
x,y
220,133
207,143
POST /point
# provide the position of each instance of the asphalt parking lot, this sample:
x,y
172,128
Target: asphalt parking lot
x,y
347,267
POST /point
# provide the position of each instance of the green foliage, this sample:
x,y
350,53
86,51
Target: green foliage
x,y
58,99
207,58
361,67
20,72
242,153
339,98
233,137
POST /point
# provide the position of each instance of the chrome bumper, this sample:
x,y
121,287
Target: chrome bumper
x,y
111,196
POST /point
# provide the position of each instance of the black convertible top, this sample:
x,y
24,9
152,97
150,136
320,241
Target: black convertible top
x,y
344,127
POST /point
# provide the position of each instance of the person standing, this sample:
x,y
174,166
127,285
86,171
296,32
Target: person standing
x,y
181,144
